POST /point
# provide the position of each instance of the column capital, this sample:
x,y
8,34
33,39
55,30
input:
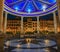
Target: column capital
x,y
22,17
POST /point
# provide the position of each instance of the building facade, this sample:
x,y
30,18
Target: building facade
x,y
29,25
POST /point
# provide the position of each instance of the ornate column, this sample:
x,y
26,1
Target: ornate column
x,y
55,22
58,4
5,22
1,26
1,14
22,25
38,25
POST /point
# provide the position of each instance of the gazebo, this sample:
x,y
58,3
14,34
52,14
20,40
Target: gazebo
x,y
28,8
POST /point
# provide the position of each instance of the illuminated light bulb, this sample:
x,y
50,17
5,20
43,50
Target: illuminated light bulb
x,y
16,8
18,46
47,42
47,50
44,7
8,43
29,10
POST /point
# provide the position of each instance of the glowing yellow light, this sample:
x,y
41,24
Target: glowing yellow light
x,y
18,46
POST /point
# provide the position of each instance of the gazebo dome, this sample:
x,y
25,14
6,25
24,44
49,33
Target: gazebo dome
x,y
30,7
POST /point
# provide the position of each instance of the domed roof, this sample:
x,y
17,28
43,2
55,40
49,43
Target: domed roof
x,y
30,7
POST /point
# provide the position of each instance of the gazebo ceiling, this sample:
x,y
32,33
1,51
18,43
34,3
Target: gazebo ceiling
x,y
30,7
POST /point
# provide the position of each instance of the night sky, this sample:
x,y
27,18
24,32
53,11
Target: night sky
x,y
46,17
